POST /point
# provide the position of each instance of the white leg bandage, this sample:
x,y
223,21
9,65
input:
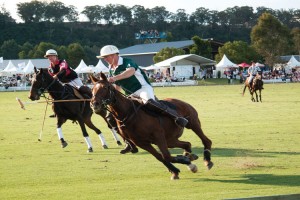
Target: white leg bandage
x,y
103,142
114,133
88,142
59,133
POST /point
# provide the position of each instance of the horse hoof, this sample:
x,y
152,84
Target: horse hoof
x,y
105,147
119,143
209,165
90,150
64,144
192,167
174,177
191,156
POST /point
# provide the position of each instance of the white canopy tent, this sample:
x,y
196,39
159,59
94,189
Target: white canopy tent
x,y
185,65
88,70
29,68
225,63
292,63
152,67
12,69
100,67
80,67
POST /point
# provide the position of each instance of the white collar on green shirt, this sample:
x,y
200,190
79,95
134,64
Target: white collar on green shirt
x,y
120,62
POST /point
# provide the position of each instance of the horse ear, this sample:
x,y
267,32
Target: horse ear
x,y
103,77
93,79
35,69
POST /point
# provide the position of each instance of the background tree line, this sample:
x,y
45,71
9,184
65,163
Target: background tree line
x,y
56,25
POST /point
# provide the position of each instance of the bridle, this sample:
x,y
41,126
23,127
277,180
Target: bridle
x,y
111,100
41,90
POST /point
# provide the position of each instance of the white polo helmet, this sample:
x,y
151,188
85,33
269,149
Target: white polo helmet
x,y
108,50
50,52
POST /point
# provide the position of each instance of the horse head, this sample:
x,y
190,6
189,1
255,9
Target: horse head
x,y
103,93
40,82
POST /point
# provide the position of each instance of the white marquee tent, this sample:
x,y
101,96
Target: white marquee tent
x,y
293,63
225,63
80,67
184,65
100,67
12,69
29,68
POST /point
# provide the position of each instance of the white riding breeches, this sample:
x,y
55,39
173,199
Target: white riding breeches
x,y
76,83
145,93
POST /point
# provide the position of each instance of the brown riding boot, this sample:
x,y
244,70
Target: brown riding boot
x,y
161,108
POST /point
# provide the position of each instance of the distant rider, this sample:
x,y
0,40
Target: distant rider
x,y
60,70
252,71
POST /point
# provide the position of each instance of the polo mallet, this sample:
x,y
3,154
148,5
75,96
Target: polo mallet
x,y
22,104
23,107
41,132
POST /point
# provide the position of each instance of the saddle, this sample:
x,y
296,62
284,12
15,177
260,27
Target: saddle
x,y
75,91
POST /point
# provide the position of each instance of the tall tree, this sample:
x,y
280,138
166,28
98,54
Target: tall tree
x,y
140,17
75,53
32,11
201,47
56,11
24,50
40,50
270,38
180,16
200,16
10,49
123,14
296,39
5,16
238,51
93,13
166,53
159,14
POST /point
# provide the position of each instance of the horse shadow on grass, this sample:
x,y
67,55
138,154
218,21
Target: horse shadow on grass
x,y
262,179
232,152
237,152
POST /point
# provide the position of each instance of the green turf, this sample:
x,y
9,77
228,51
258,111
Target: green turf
x,y
256,151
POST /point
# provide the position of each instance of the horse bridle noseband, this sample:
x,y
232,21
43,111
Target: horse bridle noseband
x,y
41,90
111,100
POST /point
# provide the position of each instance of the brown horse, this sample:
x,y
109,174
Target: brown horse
x,y
144,128
77,111
257,84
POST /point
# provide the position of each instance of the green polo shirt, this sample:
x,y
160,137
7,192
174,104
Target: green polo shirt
x,y
133,83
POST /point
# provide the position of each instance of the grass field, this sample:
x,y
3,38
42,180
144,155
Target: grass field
x,y
256,151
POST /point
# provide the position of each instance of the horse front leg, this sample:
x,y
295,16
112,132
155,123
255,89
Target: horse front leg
x,y
196,127
60,121
159,157
90,124
85,134
260,95
244,90
256,96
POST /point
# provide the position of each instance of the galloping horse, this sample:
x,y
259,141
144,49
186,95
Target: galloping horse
x,y
144,129
79,111
256,85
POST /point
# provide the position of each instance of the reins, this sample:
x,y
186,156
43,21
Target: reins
x,y
111,101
